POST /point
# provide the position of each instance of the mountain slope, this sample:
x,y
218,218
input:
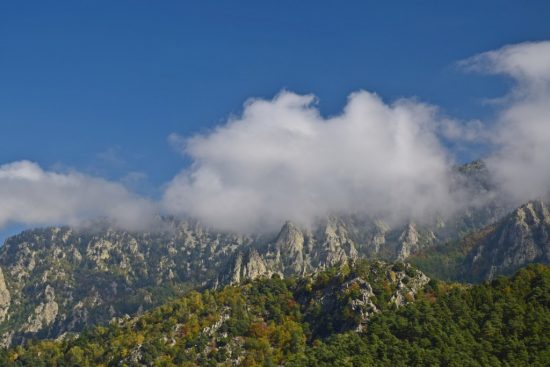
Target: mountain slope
x,y
520,238
321,321
61,279
57,280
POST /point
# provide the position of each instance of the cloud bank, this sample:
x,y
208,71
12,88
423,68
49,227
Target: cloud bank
x,y
520,163
32,196
281,160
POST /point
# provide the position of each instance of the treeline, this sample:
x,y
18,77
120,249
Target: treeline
x,y
313,322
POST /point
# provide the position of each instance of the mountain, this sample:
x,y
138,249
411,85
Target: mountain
x,y
60,280
520,238
57,280
370,313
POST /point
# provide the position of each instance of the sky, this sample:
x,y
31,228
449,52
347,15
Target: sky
x,y
112,94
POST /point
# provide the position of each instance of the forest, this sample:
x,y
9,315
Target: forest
x,y
313,321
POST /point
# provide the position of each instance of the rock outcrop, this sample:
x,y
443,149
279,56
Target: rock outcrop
x,y
248,266
5,297
44,314
365,291
299,251
520,238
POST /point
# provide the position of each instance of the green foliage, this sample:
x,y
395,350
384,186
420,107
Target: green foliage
x,y
504,323
448,261
269,322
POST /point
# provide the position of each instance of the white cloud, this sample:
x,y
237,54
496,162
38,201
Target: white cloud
x,y
521,161
473,131
29,195
176,141
526,62
281,160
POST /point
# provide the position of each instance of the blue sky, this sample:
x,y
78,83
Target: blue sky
x,y
98,86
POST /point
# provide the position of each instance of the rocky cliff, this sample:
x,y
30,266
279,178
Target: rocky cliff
x,y
520,238
59,280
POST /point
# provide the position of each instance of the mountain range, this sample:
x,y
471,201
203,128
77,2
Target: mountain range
x,y
56,282
369,313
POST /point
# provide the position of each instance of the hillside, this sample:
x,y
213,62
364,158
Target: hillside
x,y
519,238
368,314
62,280
58,280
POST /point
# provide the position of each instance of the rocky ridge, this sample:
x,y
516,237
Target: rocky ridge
x,y
520,238
338,299
344,315
369,288
59,280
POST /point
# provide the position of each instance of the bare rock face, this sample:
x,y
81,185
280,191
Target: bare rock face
x,y
409,283
363,304
6,339
248,266
409,242
44,314
379,235
413,239
5,297
294,251
338,245
289,250
520,238
367,289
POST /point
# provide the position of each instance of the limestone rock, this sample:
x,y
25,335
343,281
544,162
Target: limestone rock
x,y
409,282
289,249
362,305
44,314
520,238
411,241
5,297
338,246
248,266
6,339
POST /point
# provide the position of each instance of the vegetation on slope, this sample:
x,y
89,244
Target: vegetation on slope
x,y
320,321
448,261
520,238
